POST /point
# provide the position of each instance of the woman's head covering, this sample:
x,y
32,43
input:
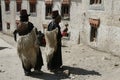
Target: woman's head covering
x,y
24,15
55,14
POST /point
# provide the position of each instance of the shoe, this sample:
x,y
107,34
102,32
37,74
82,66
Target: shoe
x,y
53,70
38,71
27,73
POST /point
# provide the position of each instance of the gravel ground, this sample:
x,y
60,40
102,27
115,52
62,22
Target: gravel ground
x,y
81,61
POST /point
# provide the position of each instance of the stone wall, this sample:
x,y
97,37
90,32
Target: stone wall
x,y
109,30
80,11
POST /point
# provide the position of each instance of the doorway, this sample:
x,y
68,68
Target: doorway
x,y
93,34
94,23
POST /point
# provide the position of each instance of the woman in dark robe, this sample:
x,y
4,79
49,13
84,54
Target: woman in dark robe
x,y
56,61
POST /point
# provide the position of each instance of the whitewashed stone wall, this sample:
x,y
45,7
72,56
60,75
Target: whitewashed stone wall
x,y
80,12
109,29
8,17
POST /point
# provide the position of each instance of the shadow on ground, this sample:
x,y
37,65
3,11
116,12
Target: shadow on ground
x,y
3,48
59,76
80,71
48,76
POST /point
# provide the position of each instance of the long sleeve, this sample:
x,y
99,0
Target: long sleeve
x,y
14,33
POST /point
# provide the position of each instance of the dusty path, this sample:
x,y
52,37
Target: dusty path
x,y
83,63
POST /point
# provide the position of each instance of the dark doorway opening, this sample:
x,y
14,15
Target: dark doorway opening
x,y
0,17
94,23
93,34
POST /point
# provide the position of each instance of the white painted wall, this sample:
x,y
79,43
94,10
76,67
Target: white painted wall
x,y
108,31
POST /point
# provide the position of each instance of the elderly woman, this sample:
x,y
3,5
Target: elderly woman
x,y
27,47
55,62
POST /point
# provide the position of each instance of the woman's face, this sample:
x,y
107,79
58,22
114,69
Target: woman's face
x,y
58,19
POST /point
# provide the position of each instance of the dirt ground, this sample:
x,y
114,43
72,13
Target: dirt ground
x,y
83,63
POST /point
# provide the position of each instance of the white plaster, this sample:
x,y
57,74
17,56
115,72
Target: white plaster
x,y
108,31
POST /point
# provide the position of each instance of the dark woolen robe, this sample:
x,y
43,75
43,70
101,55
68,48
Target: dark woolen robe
x,y
56,61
